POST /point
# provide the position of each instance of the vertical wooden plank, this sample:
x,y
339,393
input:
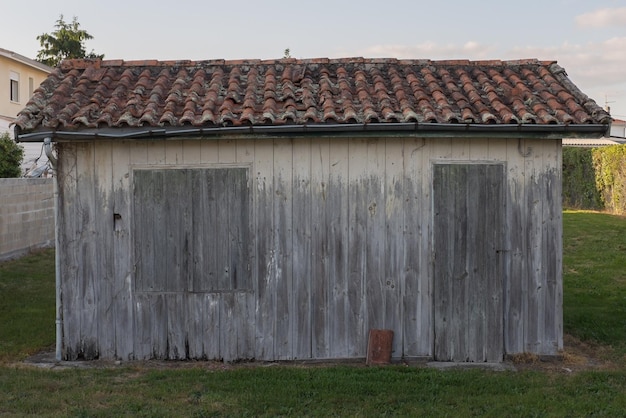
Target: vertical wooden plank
x,y
320,168
122,251
68,247
244,149
155,152
460,148
552,213
227,150
86,220
357,246
283,244
375,233
143,242
238,198
211,325
479,151
478,262
222,237
198,214
105,262
158,325
337,218
266,256
176,200
247,350
228,328
394,242
304,278
139,152
441,148
194,321
205,219
236,330
143,338
494,246
173,152
461,281
159,242
426,250
177,343
191,153
244,312
209,151
515,267
498,151
142,330
534,290
443,254
150,326
414,253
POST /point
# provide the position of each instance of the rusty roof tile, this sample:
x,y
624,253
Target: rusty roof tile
x,y
90,93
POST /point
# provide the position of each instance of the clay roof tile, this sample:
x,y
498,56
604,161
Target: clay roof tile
x,y
91,93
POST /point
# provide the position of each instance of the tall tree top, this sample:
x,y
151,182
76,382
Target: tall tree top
x,y
65,42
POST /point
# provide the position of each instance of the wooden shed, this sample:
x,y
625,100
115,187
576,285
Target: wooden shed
x,y
278,210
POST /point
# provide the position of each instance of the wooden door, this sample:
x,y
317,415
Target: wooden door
x,y
468,209
193,285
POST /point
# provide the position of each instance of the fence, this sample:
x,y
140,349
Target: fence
x,y
26,215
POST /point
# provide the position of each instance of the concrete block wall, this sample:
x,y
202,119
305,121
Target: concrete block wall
x,y
26,215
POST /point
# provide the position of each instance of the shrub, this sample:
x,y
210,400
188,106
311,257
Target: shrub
x,y
610,166
11,156
579,180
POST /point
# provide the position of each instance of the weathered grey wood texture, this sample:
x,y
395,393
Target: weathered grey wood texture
x,y
341,240
468,230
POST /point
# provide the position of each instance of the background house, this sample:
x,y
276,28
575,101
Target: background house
x,y
616,136
281,209
20,77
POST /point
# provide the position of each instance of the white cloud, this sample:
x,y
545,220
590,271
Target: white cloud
x,y
429,50
593,64
602,18
597,68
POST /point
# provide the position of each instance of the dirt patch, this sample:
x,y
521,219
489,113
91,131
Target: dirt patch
x,y
576,356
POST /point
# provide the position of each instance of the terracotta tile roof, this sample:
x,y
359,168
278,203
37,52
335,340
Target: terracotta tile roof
x,y
91,94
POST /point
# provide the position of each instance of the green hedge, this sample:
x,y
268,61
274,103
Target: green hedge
x,y
595,178
610,167
579,180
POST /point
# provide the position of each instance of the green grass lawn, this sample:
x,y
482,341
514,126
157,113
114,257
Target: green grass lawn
x,y
27,319
594,303
594,278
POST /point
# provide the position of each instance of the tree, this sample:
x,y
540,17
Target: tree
x,y
11,156
66,42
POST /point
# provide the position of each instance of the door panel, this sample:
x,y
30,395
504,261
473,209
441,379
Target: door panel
x,y
193,284
468,229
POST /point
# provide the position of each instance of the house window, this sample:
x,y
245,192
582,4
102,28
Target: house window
x,y
31,86
15,87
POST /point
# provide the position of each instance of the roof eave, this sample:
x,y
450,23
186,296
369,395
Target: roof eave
x,y
553,131
25,60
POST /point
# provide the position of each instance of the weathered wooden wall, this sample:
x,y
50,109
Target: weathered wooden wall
x,y
341,241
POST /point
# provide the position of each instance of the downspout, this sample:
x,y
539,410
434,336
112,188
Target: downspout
x,y
47,144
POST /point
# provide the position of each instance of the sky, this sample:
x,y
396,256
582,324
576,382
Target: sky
x,y
587,38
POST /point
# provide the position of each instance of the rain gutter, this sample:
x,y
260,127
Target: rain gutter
x,y
418,129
